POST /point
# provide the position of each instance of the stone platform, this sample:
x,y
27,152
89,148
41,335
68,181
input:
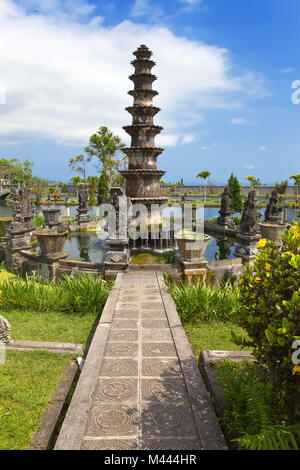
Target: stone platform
x,y
140,388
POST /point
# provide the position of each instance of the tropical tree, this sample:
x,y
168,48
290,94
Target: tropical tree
x,y
236,202
78,165
107,147
76,180
281,186
103,188
204,175
93,185
38,187
253,180
15,171
296,179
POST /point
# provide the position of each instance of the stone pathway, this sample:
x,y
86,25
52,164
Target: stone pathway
x,y
140,387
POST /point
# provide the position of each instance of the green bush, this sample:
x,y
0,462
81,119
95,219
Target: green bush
x,y
270,313
200,301
248,414
39,221
82,294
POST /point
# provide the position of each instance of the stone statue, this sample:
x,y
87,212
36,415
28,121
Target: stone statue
x,y
4,330
272,211
83,194
250,217
225,203
225,211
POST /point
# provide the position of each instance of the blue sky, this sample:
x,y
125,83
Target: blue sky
x,y
225,70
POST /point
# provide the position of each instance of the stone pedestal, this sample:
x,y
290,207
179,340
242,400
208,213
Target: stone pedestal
x,y
225,220
18,238
117,259
246,247
83,216
194,269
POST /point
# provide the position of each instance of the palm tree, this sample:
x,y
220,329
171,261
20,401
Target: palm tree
x,y
204,175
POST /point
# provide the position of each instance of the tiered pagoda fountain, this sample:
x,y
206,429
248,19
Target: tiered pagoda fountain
x,y
142,176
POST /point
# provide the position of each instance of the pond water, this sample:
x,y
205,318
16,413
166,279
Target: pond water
x,y
88,247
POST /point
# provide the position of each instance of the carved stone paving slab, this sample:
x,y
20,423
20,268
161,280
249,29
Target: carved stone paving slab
x,y
156,335
112,420
109,444
159,350
126,314
171,444
128,298
123,335
124,324
157,367
127,305
149,314
155,324
119,368
121,349
168,420
151,305
163,390
116,390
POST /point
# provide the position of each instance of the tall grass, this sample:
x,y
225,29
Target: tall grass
x,y
81,295
200,301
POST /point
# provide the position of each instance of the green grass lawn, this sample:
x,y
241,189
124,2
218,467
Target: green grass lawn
x,y
27,382
53,326
212,335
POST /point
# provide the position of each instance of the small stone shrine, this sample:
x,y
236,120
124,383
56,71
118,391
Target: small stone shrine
x,y
20,229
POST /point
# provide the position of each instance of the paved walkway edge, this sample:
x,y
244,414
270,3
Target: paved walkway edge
x,y
208,426
71,433
59,348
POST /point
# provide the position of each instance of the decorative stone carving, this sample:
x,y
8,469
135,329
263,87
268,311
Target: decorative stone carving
x,y
4,330
250,217
83,209
142,176
272,211
225,211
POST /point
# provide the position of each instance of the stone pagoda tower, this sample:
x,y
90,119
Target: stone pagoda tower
x,y
142,176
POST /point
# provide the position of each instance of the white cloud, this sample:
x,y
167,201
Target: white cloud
x,y
191,2
262,148
241,121
249,167
146,8
65,78
188,138
167,140
287,70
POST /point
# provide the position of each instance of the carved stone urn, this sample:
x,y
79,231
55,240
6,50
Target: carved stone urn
x,y
192,246
51,244
52,217
272,231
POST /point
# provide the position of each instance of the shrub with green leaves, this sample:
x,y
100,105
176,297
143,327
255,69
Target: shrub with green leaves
x,y
200,301
81,294
270,313
248,414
